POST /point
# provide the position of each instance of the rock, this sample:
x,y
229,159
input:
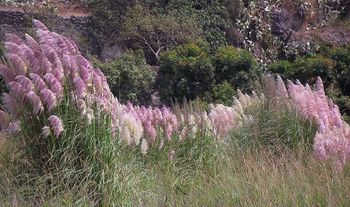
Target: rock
x,y
234,37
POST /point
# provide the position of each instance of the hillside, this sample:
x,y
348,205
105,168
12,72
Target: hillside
x,y
174,103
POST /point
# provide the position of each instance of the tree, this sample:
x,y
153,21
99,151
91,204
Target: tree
x,y
185,72
212,17
107,16
156,31
130,78
236,66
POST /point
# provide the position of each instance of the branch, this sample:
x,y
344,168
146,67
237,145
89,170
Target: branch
x,y
155,53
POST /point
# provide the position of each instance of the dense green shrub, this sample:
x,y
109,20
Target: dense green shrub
x,y
306,69
185,72
283,67
130,78
236,66
223,93
342,67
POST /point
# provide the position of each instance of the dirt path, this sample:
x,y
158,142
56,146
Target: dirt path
x,y
62,10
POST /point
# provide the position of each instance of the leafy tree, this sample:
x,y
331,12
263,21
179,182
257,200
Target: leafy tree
x,y
236,66
212,17
185,72
107,17
156,31
130,78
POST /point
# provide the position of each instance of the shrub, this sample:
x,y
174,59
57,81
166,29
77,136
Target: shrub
x,y
236,66
130,78
223,93
185,72
306,69
284,68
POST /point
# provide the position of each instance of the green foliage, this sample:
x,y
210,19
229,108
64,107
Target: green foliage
x,y
130,78
107,16
185,72
236,66
156,31
211,16
283,67
306,69
223,93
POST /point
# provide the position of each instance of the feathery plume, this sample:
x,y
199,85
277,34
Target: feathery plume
x,y
79,87
56,125
39,26
35,101
144,146
49,98
6,73
46,131
13,38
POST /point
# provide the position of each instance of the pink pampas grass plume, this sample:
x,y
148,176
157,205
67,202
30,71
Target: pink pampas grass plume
x,y
38,82
49,98
6,73
39,26
10,104
12,48
18,65
32,43
14,127
13,38
35,101
54,85
80,87
17,91
26,83
56,125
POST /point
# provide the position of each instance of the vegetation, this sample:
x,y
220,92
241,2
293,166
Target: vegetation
x,y
228,135
332,65
157,32
185,72
238,67
130,78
